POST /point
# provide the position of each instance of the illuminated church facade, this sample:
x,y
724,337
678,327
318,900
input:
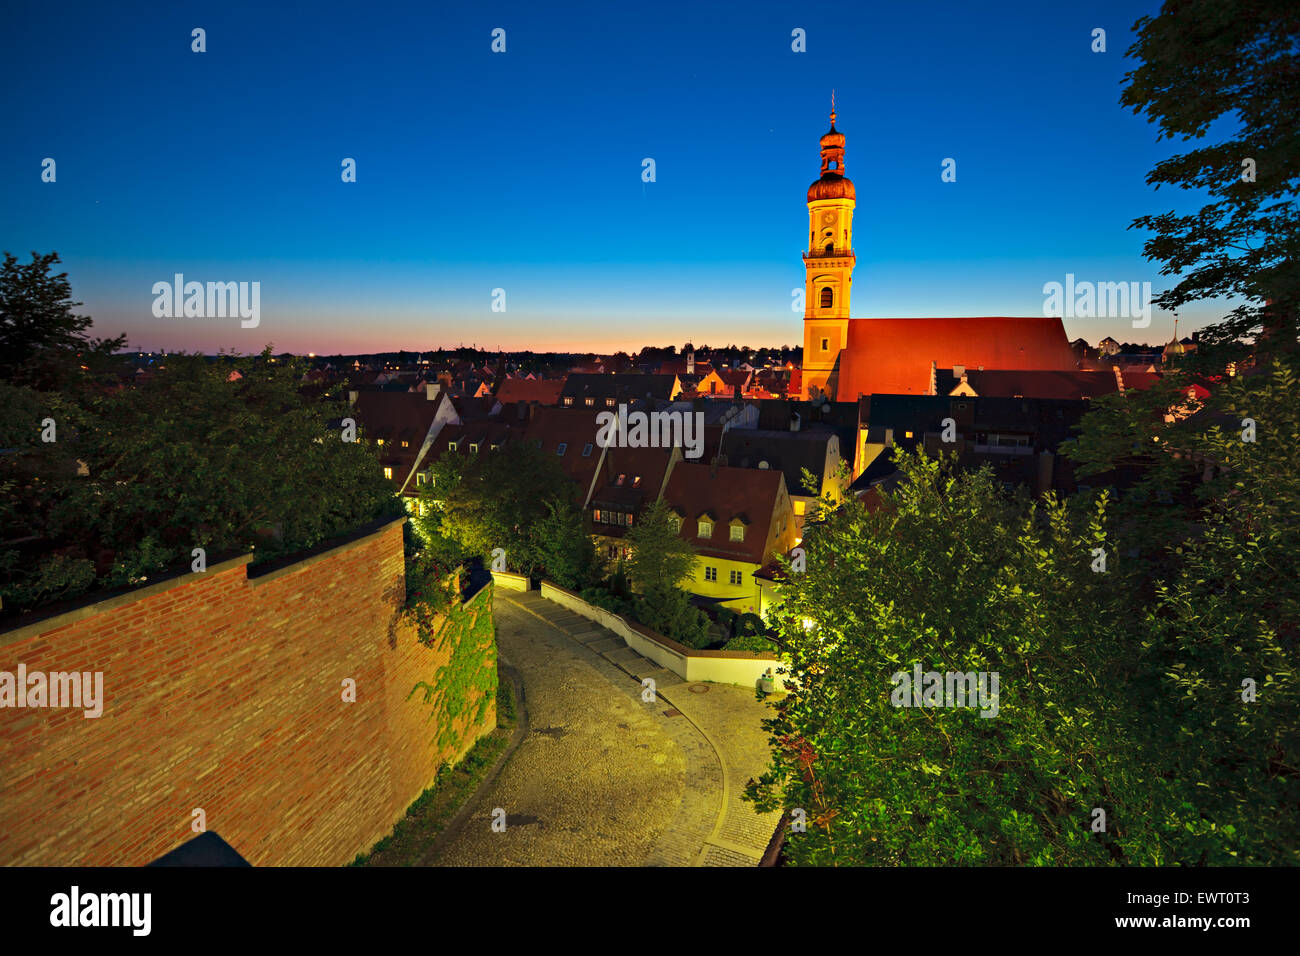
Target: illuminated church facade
x,y
845,358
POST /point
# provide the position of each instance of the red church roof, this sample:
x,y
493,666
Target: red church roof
x,y
893,356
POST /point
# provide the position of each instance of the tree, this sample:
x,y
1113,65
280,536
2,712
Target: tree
x,y
1219,613
565,549
497,499
42,342
954,576
1207,63
661,558
188,459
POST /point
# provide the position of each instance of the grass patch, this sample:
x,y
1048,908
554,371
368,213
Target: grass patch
x,y
432,810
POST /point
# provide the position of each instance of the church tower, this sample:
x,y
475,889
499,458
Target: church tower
x,y
828,265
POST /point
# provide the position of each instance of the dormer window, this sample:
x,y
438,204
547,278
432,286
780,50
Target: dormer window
x,y
421,478
705,528
618,482
586,450
561,448
609,402
737,532
388,472
452,446
636,482
406,444
568,400
590,401
473,448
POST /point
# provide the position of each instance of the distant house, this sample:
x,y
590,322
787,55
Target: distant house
x,y
737,520
609,391
530,389
998,383
791,453
399,424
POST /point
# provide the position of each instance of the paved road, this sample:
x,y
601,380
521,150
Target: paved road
x,y
603,778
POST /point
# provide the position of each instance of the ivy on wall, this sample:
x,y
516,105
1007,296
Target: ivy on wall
x,y
467,684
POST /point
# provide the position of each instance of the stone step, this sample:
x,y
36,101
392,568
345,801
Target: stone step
x,y
625,658
569,623
590,637
607,644
662,676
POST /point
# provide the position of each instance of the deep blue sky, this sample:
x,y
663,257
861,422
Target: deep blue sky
x,y
522,170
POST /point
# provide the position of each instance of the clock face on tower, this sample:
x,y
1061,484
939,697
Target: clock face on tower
x,y
828,218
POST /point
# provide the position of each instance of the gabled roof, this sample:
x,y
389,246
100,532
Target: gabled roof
x,y
725,493
893,356
574,428
785,451
621,388
1030,383
545,391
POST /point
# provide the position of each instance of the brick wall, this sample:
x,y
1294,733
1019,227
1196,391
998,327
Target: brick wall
x,y
226,693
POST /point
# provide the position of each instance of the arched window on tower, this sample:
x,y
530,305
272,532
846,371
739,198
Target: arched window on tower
x,y
830,248
827,297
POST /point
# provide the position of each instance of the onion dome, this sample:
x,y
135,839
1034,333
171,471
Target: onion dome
x,y
833,184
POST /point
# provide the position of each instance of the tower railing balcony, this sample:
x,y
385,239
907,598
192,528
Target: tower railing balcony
x,y
835,254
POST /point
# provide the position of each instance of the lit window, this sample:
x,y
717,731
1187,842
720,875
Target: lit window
x,y
473,447
451,446
907,434
568,400
619,481
735,577
710,574
737,532
405,443
591,401
706,529
379,441
609,402
586,450
420,479
677,523
388,472
636,482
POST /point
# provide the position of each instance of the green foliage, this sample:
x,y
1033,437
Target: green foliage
x,y
669,611
565,549
463,688
956,576
608,599
188,459
43,343
661,558
749,642
1234,68
510,498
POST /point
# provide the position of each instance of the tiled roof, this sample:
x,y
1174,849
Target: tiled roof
x,y
893,356
1030,383
544,390
726,493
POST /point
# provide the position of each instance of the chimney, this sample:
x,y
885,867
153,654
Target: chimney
x,y
959,371
1119,378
